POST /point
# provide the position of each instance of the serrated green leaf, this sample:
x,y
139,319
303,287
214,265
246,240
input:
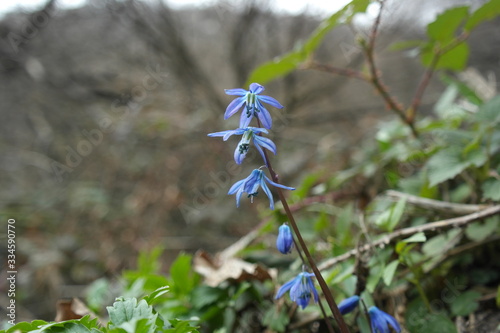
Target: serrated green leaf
x,y
491,189
129,310
465,303
419,237
26,326
445,25
450,161
391,217
283,65
486,12
389,272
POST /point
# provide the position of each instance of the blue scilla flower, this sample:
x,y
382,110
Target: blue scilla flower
x,y
349,304
253,105
380,321
251,184
248,134
284,242
301,288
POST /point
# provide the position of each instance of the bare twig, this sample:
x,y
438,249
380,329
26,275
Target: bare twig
x,y
443,224
442,206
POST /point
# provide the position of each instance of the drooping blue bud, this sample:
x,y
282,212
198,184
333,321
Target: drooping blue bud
x,y
284,242
349,304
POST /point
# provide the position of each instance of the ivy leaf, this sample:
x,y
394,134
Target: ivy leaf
x,y
486,12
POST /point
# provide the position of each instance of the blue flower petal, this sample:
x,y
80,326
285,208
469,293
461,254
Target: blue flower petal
x,y
284,288
236,186
265,142
245,119
234,107
236,92
278,185
271,101
349,304
380,321
267,191
264,116
256,88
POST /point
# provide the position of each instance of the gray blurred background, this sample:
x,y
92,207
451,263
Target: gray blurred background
x,y
105,111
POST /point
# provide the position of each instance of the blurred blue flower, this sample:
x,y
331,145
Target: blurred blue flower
x,y
251,184
253,105
349,304
284,242
380,321
301,288
249,134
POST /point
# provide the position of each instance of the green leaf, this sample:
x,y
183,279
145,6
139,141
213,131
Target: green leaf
x,y
390,218
183,278
450,161
26,326
155,294
283,65
486,12
419,237
389,272
420,320
205,295
479,231
130,311
463,89
444,27
406,44
491,189
276,319
465,303
489,113
455,59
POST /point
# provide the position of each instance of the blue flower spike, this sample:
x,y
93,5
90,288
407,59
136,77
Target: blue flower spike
x,y
349,304
249,134
284,242
251,184
252,101
380,321
301,288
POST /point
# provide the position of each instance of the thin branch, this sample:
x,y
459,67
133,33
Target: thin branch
x,y
376,81
426,77
443,224
442,206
